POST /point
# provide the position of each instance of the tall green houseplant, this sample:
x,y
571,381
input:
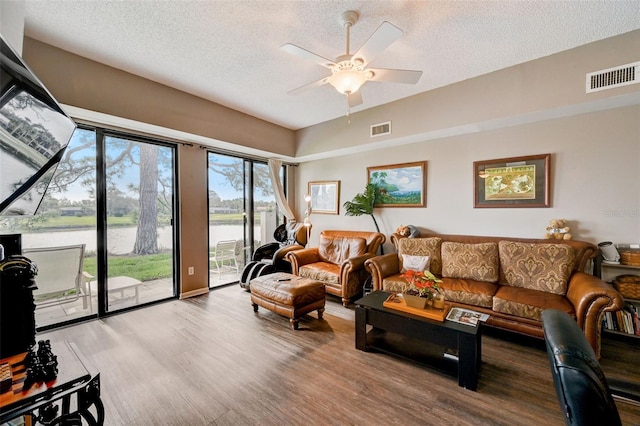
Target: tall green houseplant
x,y
363,203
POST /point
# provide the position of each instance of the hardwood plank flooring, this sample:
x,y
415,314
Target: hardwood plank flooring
x,y
210,360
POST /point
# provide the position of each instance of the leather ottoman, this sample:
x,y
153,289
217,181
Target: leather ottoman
x,y
288,295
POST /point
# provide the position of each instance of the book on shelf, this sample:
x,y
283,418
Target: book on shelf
x,y
625,320
632,313
466,316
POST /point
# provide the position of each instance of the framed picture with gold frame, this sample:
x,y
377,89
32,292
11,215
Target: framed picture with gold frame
x,y
325,197
512,182
401,185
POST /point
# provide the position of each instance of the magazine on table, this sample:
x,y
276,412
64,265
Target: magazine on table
x,y
466,316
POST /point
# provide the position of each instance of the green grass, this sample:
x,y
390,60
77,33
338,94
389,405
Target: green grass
x,y
230,219
68,222
80,222
143,268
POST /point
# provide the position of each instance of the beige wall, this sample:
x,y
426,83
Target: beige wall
x,y
595,180
194,243
533,108
548,87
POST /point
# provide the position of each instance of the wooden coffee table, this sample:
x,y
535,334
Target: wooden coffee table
x,y
452,347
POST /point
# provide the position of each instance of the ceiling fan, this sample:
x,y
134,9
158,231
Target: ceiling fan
x,y
349,72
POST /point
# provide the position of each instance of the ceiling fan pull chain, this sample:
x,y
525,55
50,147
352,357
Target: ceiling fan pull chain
x,y
348,109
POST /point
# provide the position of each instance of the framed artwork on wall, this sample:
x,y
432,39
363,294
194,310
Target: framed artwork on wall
x,y
325,196
512,182
401,185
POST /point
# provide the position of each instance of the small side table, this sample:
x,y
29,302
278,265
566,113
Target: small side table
x,y
39,401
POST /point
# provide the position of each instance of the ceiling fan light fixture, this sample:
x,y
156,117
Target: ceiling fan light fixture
x,y
348,81
348,71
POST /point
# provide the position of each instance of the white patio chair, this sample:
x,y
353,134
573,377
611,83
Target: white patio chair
x,y
224,256
60,279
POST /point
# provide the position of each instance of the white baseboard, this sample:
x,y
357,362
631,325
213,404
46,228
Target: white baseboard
x,y
196,292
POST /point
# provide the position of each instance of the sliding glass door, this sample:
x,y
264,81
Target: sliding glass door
x,y
242,214
103,236
139,234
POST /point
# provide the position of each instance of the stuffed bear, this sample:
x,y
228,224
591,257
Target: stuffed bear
x,y
403,230
558,230
409,231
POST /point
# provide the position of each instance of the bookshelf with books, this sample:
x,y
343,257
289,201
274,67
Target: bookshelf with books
x,y
626,321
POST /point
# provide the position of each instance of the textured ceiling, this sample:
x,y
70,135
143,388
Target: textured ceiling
x,y
229,51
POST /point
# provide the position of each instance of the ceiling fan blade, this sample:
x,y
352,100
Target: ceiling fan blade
x,y
395,76
306,87
354,99
382,38
305,54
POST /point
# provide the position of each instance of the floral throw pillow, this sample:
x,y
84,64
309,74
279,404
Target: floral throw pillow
x,y
544,267
470,261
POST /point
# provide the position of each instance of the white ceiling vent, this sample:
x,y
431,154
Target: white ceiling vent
x,y
622,75
381,129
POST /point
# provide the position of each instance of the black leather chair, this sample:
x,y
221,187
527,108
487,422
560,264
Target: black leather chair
x,y
583,392
270,258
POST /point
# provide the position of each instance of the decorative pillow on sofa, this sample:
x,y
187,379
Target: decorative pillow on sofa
x,y
422,247
470,261
544,267
337,250
414,263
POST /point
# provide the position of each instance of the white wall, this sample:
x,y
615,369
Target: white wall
x,y
595,180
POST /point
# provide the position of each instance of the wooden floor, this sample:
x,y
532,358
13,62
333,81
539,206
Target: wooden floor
x,y
210,360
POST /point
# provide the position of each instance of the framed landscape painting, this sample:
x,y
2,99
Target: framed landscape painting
x,y
401,185
325,197
512,182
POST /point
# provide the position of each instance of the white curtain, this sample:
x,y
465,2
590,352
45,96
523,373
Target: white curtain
x,y
274,174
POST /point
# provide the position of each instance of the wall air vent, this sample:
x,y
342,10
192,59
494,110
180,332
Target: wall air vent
x,y
381,129
622,75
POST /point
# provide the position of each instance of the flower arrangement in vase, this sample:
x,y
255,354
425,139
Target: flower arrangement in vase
x,y
423,289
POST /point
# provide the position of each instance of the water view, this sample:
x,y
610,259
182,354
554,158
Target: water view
x,y
121,240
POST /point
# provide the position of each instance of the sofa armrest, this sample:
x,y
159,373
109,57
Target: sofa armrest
x,y
381,267
357,262
591,298
302,257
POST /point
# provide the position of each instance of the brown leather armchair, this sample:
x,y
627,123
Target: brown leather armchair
x,y
338,261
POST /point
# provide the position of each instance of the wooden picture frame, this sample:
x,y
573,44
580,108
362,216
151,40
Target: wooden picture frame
x,y
401,185
512,182
325,197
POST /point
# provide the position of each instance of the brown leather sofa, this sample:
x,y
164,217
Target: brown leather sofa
x,y
338,261
511,279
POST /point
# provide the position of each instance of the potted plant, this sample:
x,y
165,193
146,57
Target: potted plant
x,y
424,288
363,203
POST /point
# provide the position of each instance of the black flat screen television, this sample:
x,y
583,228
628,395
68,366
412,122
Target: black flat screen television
x,y
34,132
